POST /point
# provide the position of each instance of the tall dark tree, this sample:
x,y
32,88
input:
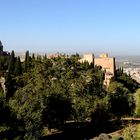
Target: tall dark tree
x,y
27,62
39,58
58,110
10,83
33,56
45,57
2,63
11,66
120,99
18,68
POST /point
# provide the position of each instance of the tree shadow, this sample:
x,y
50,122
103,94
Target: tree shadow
x,y
84,130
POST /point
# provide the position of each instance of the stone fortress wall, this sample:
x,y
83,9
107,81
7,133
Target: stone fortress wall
x,y
87,57
107,63
3,53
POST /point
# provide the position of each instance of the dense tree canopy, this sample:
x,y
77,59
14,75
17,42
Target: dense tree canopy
x,y
48,92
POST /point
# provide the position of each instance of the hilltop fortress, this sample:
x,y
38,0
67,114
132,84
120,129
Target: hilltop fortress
x,y
107,63
3,53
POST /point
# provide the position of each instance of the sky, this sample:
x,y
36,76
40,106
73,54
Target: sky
x,y
81,26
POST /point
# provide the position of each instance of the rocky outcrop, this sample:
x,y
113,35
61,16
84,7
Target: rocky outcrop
x,y
2,83
106,137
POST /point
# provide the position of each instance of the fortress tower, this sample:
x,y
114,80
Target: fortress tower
x,y
3,53
107,63
1,47
87,58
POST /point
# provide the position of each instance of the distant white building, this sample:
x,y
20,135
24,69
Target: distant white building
x,y
87,58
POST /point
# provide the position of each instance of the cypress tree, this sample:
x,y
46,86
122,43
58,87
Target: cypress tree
x,y
39,58
27,62
2,63
10,83
18,68
45,57
11,66
33,56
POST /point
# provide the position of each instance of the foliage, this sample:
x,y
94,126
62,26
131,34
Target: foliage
x,y
18,67
126,80
28,108
121,101
132,132
27,62
48,92
137,103
11,66
9,83
101,113
57,111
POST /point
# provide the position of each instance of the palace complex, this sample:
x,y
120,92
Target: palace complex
x,y
107,63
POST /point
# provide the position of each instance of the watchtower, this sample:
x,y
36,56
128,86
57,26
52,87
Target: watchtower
x,y
108,65
1,47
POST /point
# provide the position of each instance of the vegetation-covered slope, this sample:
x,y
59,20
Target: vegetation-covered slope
x,y
48,93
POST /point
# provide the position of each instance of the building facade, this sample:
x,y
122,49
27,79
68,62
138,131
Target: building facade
x,y
1,47
107,63
87,58
3,53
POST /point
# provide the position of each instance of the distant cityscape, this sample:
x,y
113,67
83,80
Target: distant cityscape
x,y
131,66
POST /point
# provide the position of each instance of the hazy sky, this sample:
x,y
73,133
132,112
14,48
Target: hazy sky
x,y
71,25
